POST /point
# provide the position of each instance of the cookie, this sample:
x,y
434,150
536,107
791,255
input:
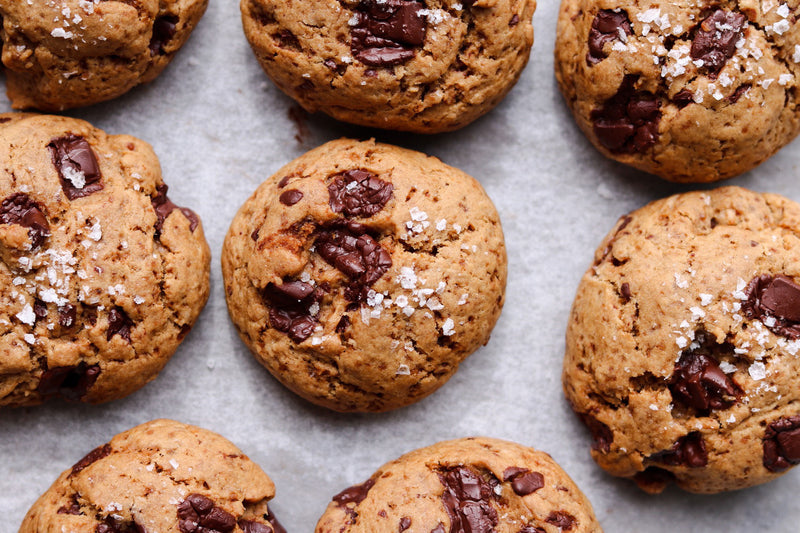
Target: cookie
x,y
159,476
362,274
416,65
69,53
683,345
690,91
465,485
101,275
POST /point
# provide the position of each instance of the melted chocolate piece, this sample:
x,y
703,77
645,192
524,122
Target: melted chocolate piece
x,y
343,324
67,314
69,382
715,39
39,309
387,31
531,529
439,528
467,500
73,508
290,197
22,210
607,26
687,451
358,193
625,292
198,514
698,382
628,121
119,324
683,98
775,297
289,308
163,206
405,523
355,494
562,520
91,457
164,29
276,526
523,481
77,166
248,526
739,92
110,525
602,436
782,444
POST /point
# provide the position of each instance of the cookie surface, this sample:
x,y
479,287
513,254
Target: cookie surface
x,y
101,274
682,346
362,274
690,91
465,485
160,476
68,53
424,66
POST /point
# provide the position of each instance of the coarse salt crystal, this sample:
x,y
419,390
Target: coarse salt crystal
x,y
448,328
403,370
757,370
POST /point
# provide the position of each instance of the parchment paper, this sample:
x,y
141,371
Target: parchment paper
x,y
220,128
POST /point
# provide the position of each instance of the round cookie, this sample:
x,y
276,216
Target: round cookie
x,y
68,53
465,485
159,476
690,91
416,65
683,342
101,274
362,274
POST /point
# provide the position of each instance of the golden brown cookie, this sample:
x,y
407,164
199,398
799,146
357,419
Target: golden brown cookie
x,y
461,486
683,342
690,91
68,53
417,65
362,274
162,476
101,274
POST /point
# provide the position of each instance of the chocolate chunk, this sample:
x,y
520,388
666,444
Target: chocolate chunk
x,y
628,121
531,529
386,32
602,437
625,292
405,523
284,181
439,528
69,382
91,457
739,92
698,382
687,451
607,26
21,209
119,324
77,166
523,481
164,28
73,508
67,315
198,514
163,206
290,305
248,526
514,20
715,39
111,525
39,309
782,444
562,520
358,193
467,500
683,98
343,324
276,526
355,494
775,297
290,197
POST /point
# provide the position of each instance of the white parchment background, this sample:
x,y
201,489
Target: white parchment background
x,y
220,128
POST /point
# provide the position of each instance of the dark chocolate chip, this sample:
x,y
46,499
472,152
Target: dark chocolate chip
x,y
715,39
387,31
276,526
163,206
358,193
782,444
698,382
67,315
289,308
689,450
77,166
531,529
355,494
439,528
523,481
290,196
514,20
343,324
111,525
625,292
287,39
39,309
3,120
467,500
776,298
738,93
248,526
21,209
198,514
119,324
602,437
164,28
69,382
73,507
683,98
405,523
607,26
628,121
562,520
284,181
91,457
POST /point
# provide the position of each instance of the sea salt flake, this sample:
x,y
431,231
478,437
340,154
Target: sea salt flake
x,y
403,370
681,342
448,328
705,299
27,316
173,463
29,338
727,367
758,371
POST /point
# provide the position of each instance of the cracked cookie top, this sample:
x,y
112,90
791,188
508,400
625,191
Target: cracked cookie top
x,y
362,274
101,274
159,476
467,485
416,65
690,91
683,346
68,53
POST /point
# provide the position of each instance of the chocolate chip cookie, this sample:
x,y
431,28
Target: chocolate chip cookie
x,y
461,486
102,275
362,274
683,345
68,53
690,91
416,65
159,476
